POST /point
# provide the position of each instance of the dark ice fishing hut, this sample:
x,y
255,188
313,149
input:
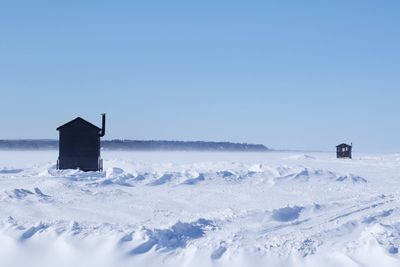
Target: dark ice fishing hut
x,y
79,146
344,151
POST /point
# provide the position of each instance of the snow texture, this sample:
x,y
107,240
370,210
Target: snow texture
x,y
201,209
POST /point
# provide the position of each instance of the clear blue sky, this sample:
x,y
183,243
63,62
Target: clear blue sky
x,y
288,74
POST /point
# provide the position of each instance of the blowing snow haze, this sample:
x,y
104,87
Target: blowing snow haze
x,y
132,145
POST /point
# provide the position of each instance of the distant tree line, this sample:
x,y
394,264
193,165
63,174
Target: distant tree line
x,y
150,145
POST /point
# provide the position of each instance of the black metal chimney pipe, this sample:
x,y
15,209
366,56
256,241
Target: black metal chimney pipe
x,y
103,125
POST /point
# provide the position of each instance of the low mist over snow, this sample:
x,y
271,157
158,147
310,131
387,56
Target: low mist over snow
x,y
138,145
200,209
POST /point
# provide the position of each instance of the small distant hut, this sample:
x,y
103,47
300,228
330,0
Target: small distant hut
x,y
79,146
344,151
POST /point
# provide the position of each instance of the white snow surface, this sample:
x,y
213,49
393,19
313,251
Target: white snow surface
x,y
201,209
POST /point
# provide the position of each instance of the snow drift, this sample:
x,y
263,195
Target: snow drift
x,y
201,209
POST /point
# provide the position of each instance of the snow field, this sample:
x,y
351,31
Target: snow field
x,y
201,209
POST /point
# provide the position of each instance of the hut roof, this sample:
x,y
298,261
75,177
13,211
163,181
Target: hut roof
x,y
343,145
76,120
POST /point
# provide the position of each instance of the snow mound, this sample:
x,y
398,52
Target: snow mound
x,y
27,234
351,177
382,214
117,176
228,175
166,178
193,181
217,254
10,171
306,175
19,193
112,176
176,237
26,194
75,175
257,168
40,193
115,172
286,214
231,176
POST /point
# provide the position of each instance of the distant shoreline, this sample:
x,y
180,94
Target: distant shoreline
x,y
139,145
